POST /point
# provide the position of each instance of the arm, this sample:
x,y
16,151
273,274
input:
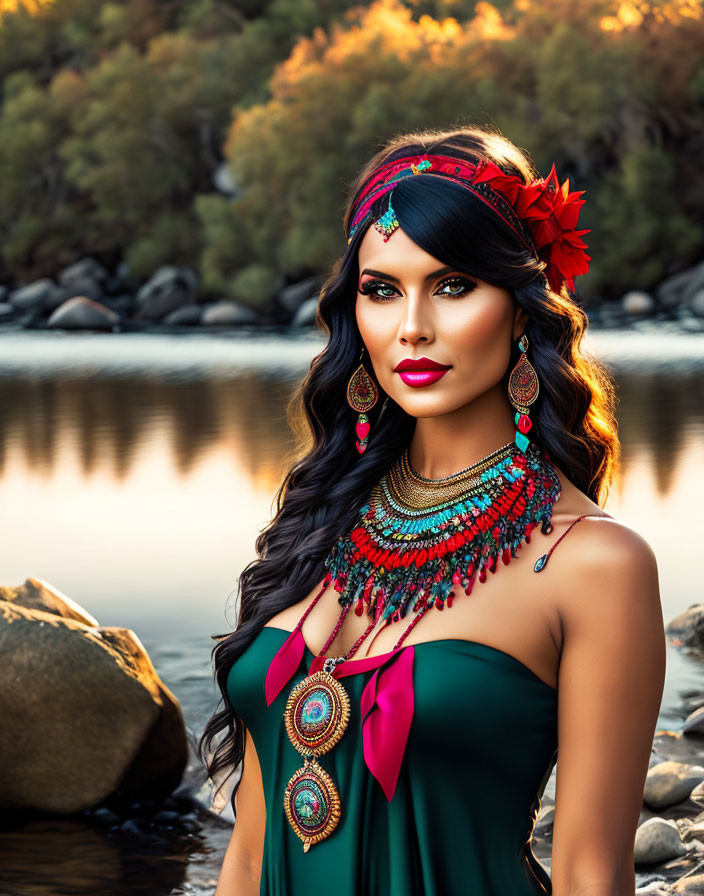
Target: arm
x,y
241,868
610,685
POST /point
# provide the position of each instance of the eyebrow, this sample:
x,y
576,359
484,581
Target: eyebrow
x,y
443,270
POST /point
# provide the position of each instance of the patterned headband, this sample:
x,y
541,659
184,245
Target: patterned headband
x,y
542,214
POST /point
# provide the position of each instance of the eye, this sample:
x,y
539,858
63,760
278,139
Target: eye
x,y
372,287
460,285
465,286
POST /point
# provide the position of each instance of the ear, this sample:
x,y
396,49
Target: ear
x,y
520,319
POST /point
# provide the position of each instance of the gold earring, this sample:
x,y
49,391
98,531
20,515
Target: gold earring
x,y
523,388
362,395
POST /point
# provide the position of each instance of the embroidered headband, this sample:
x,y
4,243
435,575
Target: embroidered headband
x,y
542,214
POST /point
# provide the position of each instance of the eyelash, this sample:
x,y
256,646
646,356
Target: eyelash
x,y
369,288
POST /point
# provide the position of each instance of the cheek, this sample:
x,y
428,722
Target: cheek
x,y
481,330
374,327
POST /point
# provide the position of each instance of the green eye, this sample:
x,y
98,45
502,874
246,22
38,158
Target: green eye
x,y
373,288
465,286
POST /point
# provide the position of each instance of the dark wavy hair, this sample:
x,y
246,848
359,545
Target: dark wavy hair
x,y
328,480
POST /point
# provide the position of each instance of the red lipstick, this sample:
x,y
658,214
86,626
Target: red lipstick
x,y
420,371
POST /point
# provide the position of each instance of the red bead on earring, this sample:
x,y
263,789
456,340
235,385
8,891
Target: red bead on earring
x,y
523,388
362,395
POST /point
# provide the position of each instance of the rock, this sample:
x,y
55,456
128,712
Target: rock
x,y
85,269
306,314
292,297
681,287
695,831
34,296
689,885
657,840
638,302
227,313
186,315
83,286
694,723
36,594
7,311
166,290
692,700
654,888
121,304
546,816
689,626
81,313
122,278
696,303
669,783
697,795
94,720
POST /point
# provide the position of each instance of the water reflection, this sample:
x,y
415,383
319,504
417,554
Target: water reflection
x,y
104,422
660,416
136,483
55,857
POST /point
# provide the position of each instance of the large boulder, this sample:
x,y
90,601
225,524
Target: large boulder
x,y
85,717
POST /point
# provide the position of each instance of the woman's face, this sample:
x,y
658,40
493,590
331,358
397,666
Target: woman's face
x,y
409,305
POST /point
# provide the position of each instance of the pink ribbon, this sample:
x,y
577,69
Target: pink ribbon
x,y
387,701
387,711
285,662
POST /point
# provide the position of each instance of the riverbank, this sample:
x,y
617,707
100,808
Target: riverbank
x,y
646,346
86,296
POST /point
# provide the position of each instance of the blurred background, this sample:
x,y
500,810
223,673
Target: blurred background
x,y
172,181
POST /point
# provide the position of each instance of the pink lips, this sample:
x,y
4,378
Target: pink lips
x,y
421,377
420,371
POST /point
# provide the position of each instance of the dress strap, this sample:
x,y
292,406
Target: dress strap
x,y
541,561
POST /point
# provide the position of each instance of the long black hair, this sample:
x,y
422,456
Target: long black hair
x,y
328,480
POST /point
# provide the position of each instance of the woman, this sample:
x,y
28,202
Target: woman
x,y
399,751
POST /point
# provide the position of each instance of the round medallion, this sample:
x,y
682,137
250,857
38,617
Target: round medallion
x,y
317,712
312,804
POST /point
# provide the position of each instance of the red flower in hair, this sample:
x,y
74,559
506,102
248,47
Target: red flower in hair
x,y
550,211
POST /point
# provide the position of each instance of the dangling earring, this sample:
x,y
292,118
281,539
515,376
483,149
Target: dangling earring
x,y
362,395
523,387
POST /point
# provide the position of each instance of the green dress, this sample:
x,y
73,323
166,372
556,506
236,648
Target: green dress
x,y
480,748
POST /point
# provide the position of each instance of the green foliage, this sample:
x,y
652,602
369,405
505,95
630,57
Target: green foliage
x,y
114,117
550,76
639,222
255,285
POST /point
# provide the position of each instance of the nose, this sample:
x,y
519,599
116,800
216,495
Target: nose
x,y
415,324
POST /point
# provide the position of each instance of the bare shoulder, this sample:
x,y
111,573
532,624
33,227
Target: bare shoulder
x,y
604,571
608,583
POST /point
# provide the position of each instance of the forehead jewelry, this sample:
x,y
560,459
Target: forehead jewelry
x,y
543,214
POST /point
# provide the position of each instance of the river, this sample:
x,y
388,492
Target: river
x,y
136,471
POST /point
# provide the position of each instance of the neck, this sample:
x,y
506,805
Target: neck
x,y
446,444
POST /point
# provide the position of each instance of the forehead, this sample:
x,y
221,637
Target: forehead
x,y
399,255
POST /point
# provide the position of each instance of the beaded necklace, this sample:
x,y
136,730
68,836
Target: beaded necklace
x,y
418,537
417,540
